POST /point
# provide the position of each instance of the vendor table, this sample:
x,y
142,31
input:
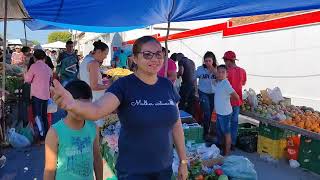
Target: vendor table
x,y
301,131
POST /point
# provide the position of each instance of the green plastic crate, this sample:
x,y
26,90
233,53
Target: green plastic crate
x,y
309,154
245,128
194,133
273,132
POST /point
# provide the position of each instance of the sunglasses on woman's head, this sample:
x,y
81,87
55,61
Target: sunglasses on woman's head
x,y
149,55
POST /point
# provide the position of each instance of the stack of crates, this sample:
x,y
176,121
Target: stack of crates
x,y
193,133
247,137
272,140
309,154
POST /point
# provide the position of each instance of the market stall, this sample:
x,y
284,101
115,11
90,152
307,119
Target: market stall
x,y
284,127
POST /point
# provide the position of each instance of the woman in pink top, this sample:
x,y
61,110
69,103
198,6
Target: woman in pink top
x,y
172,68
39,75
17,57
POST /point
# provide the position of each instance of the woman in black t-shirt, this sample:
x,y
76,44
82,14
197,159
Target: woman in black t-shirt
x,y
148,113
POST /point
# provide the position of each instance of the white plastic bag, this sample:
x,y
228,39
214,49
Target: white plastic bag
x,y
52,106
252,98
17,140
275,95
294,163
207,153
245,94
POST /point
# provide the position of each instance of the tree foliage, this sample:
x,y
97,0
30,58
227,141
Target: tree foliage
x,y
35,42
63,36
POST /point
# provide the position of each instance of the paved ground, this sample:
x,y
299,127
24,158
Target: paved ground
x,y
23,164
27,164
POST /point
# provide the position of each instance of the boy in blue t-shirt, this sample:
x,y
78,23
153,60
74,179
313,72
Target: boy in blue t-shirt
x,y
72,144
223,93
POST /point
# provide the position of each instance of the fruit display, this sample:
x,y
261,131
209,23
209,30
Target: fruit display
x,y
118,72
285,113
196,173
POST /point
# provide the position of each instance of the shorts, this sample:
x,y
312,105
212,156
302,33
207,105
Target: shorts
x,y
224,123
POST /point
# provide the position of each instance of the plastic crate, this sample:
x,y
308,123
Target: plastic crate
x,y
309,154
245,128
273,132
193,133
275,148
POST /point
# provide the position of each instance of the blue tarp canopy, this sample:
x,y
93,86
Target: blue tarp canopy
x,y
112,16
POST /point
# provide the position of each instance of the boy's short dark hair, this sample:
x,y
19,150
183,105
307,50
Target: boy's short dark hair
x,y
25,49
69,42
39,54
79,89
222,66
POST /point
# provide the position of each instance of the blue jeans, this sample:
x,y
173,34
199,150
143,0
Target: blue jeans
x,y
234,124
161,175
40,108
223,126
207,106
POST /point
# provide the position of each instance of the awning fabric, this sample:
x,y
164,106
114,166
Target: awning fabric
x,y
16,10
110,15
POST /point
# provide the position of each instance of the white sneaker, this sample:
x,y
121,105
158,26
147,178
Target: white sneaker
x,y
3,160
39,124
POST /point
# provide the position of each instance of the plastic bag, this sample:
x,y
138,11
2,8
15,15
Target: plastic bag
x,y
17,140
208,152
275,95
294,163
252,98
245,94
52,106
239,168
27,132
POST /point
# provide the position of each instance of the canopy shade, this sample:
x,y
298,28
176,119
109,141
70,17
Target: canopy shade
x,y
120,14
47,25
21,42
54,45
34,25
16,10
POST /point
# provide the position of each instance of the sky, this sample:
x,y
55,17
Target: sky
x,y
16,31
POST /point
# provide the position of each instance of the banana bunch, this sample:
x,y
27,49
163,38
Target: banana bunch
x,y
119,72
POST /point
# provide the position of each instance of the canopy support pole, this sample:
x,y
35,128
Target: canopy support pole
x,y
4,49
25,33
167,37
166,55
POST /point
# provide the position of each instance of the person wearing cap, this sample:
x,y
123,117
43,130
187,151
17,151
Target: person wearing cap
x,y
172,68
237,78
188,85
17,57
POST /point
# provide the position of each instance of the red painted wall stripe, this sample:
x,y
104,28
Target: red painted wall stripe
x,y
195,32
286,22
276,24
132,41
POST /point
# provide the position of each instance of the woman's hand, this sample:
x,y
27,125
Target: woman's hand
x,y
183,172
61,96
